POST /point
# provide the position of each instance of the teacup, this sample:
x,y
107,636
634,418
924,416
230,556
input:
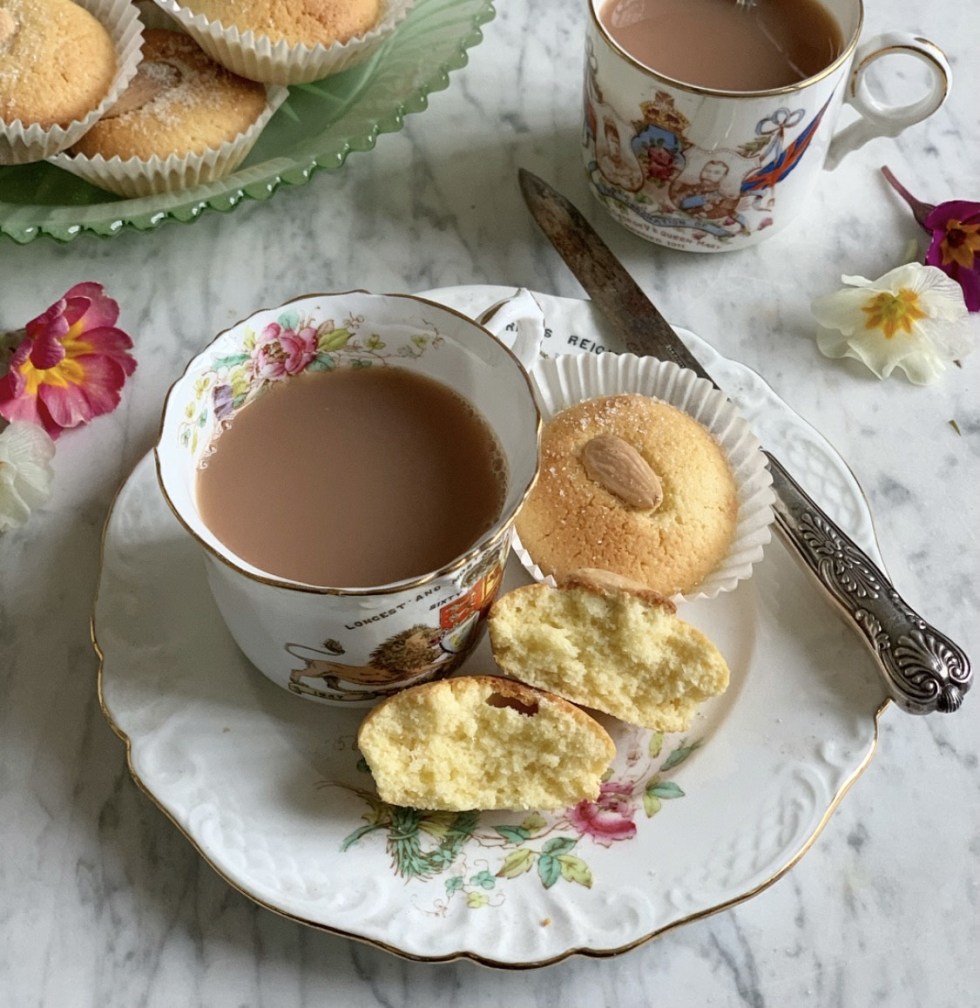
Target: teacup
x,y
342,644
704,169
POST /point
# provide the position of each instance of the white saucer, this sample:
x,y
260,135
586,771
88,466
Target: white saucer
x,y
271,791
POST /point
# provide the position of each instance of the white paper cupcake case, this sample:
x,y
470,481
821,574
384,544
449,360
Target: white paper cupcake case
x,y
21,144
260,58
136,177
567,379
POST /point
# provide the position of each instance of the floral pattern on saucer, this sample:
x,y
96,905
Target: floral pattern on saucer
x,y
424,846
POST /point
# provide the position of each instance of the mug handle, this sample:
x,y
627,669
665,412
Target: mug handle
x,y
877,118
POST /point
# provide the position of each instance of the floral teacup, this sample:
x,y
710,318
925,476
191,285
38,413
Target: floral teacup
x,y
337,644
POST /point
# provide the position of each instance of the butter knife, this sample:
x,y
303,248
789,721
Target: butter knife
x,y
922,669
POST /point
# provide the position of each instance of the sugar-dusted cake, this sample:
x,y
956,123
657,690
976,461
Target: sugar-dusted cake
x,y
180,102
38,40
309,22
632,485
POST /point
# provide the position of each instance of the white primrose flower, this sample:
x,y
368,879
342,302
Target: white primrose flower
x,y
26,451
913,318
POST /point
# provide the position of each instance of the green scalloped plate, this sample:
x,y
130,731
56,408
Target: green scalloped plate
x,y
316,128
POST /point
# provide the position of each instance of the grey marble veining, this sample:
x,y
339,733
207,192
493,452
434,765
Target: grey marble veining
x,y
103,902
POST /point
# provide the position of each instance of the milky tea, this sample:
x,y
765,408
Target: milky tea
x,y
354,477
717,44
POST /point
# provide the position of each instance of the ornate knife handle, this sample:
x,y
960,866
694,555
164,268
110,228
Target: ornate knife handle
x,y
923,669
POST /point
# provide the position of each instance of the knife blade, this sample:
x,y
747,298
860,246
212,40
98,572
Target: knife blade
x,y
922,669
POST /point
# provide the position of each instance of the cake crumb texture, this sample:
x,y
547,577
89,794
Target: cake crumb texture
x,y
483,742
570,520
57,62
620,650
307,22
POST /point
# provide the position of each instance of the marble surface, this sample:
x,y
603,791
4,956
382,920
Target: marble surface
x,y
103,902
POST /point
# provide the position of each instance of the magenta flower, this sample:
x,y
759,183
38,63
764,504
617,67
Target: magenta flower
x,y
609,817
70,365
283,352
955,245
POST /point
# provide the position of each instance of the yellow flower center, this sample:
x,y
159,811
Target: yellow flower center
x,y
891,312
961,243
68,371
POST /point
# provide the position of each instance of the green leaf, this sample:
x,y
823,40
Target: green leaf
x,y
534,823
441,858
231,360
483,879
679,755
437,824
651,804
656,744
357,834
549,870
454,884
322,362
559,845
332,339
574,869
289,320
514,834
666,789
517,863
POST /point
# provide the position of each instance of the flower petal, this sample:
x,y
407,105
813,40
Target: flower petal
x,y
13,405
917,359
47,350
969,281
857,281
841,310
942,294
965,211
25,472
71,404
114,343
101,311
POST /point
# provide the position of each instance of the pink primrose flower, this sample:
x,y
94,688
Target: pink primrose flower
x,y
609,817
70,365
955,245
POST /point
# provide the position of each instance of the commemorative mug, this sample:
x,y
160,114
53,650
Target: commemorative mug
x,y
709,169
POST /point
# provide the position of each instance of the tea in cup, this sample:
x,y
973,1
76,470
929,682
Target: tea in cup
x,y
351,465
706,122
